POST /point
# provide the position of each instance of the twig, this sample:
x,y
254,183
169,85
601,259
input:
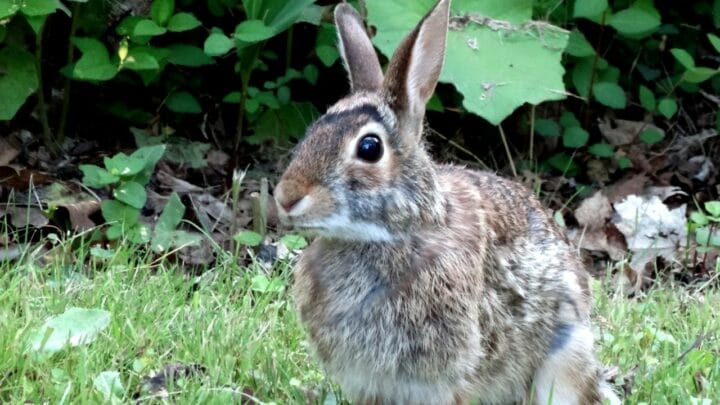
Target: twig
x,y
532,130
507,150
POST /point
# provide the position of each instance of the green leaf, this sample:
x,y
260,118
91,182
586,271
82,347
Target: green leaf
x,y
8,8
496,70
293,242
183,22
97,177
94,64
109,385
261,283
699,218
546,127
699,74
563,163
683,57
328,55
36,8
624,162
582,75
147,28
702,236
575,137
150,154
287,121
713,207
667,107
716,13
638,20
161,11
124,165
590,9
248,238
603,150
167,223
188,55
651,136
578,46
311,73
277,14
121,214
714,40
183,102
218,44
140,60
232,97
647,98
252,31
74,327
610,94
568,120
18,80
131,193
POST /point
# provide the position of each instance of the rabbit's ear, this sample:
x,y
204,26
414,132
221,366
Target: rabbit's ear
x,y
415,67
357,51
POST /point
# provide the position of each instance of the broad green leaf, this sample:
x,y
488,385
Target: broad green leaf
x,y
131,193
147,28
546,127
8,8
311,73
578,46
183,22
97,177
575,137
140,59
624,162
252,31
603,150
149,154
218,44
18,80
699,218
74,327
285,122
232,97
638,20
683,57
276,14
667,107
651,136
582,75
568,120
36,8
188,55
327,54
564,164
699,74
261,283
647,98
123,214
167,223
713,208
94,64
109,385
139,233
497,70
590,9
610,94
715,41
161,11
248,238
702,236
183,102
325,44
716,14
293,242
123,165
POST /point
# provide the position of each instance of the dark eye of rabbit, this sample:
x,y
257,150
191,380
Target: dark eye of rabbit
x,y
370,148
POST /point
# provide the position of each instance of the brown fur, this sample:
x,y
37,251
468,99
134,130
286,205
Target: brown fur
x,y
429,283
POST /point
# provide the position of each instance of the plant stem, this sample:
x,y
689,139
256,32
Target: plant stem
x,y
42,104
532,130
507,150
66,88
289,48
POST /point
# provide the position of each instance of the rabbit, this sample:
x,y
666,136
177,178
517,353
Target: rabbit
x,y
427,283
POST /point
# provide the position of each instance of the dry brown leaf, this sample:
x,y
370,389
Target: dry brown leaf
x,y
79,214
19,178
8,151
623,132
177,185
621,189
606,240
594,211
21,217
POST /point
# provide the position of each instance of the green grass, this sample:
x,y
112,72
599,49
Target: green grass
x,y
249,340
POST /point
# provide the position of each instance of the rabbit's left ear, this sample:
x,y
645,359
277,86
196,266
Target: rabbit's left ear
x,y
415,67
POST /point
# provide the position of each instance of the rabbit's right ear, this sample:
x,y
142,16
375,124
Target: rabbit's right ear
x,y
357,51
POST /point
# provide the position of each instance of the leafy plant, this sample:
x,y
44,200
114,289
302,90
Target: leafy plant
x,y
705,225
128,175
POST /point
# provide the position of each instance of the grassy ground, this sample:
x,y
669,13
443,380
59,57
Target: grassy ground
x,y
250,344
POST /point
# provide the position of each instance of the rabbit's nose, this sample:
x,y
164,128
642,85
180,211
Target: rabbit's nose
x,y
289,204
288,194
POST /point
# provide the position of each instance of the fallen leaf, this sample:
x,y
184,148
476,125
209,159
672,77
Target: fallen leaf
x,y
74,327
79,214
650,228
594,211
621,189
21,217
9,150
20,179
623,132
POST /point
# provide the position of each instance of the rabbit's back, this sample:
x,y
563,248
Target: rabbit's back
x,y
475,303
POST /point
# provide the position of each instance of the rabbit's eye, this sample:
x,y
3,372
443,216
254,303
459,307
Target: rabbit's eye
x,y
370,148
